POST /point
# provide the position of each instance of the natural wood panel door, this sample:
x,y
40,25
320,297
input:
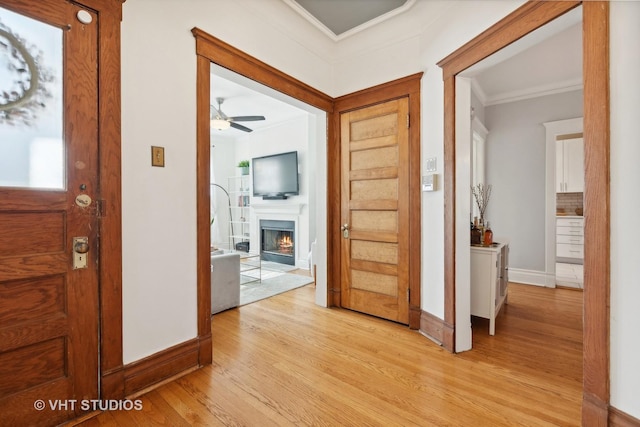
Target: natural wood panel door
x,y
375,210
48,308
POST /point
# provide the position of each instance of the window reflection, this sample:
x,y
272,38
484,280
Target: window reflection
x,y
31,119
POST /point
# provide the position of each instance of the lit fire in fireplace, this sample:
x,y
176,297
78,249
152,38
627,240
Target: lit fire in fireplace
x,y
285,245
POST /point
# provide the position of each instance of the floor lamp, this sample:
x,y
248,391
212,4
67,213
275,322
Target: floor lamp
x,y
231,239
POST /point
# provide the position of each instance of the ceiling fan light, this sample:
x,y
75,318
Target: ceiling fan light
x,y
220,124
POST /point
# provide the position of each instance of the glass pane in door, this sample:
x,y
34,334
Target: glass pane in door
x,y
31,131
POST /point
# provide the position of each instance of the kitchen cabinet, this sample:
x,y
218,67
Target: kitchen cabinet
x,y
489,281
570,165
570,239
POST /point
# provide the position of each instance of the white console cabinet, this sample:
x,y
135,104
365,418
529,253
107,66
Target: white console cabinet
x,y
489,281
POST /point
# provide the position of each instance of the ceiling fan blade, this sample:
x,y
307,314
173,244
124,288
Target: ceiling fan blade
x,y
240,127
246,118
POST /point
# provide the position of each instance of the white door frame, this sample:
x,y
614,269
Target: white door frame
x,y
553,129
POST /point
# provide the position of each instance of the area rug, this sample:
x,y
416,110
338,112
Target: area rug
x,y
273,285
260,274
275,266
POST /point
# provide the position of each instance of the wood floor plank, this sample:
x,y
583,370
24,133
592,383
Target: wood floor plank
x,y
285,361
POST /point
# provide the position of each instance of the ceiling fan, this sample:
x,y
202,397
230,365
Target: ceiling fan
x,y
221,121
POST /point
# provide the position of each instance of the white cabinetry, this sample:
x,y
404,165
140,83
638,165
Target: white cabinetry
x,y
570,238
489,281
570,165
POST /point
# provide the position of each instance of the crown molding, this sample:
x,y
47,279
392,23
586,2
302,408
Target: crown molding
x,y
528,93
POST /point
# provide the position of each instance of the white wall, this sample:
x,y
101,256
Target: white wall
x,y
515,167
158,84
159,108
625,205
459,24
159,209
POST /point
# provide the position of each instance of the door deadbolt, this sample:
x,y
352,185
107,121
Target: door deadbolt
x,y
345,230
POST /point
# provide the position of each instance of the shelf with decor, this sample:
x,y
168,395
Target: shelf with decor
x,y
239,225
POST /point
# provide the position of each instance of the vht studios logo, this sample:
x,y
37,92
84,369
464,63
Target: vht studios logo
x,y
88,405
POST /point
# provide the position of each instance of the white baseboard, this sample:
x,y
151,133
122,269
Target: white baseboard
x,y
302,263
532,277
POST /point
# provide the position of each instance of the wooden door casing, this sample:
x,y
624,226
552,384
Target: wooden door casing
x,y
48,309
595,47
374,206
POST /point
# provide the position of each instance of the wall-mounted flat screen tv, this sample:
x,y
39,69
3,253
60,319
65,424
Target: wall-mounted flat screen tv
x,y
275,176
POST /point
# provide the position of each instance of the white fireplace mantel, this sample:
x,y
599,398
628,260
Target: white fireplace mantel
x,y
278,208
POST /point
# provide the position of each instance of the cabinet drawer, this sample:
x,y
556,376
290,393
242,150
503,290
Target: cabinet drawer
x,y
570,222
567,250
574,239
569,231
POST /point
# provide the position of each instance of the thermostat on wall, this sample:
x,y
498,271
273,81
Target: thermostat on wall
x,y
429,182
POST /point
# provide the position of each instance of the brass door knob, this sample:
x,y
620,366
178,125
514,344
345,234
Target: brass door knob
x,y
81,247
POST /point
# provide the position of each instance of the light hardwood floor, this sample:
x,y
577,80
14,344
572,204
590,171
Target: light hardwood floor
x,y
284,362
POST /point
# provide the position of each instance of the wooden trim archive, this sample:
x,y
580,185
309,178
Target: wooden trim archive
x,y
154,369
110,177
227,56
597,212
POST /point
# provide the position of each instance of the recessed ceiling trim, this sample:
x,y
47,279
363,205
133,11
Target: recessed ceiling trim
x,y
319,25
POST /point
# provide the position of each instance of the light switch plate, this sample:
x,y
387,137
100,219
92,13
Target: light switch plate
x,y
157,156
431,164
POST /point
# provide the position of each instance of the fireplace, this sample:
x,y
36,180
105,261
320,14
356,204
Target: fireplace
x,y
277,241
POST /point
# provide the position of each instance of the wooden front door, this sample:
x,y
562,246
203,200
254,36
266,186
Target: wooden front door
x,y
375,210
48,213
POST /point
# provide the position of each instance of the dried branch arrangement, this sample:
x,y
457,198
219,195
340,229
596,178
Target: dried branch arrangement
x,y
481,193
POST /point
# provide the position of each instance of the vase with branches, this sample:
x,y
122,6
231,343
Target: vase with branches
x,y
481,194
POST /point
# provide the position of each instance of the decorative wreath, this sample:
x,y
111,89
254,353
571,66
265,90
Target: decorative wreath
x,y
26,95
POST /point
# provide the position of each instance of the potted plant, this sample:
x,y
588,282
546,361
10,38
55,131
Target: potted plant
x,y
244,167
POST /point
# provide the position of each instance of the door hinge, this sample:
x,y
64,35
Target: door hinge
x,y
408,121
408,294
100,209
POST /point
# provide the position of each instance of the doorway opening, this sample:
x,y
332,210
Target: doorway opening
x,y
525,19
512,100
210,50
